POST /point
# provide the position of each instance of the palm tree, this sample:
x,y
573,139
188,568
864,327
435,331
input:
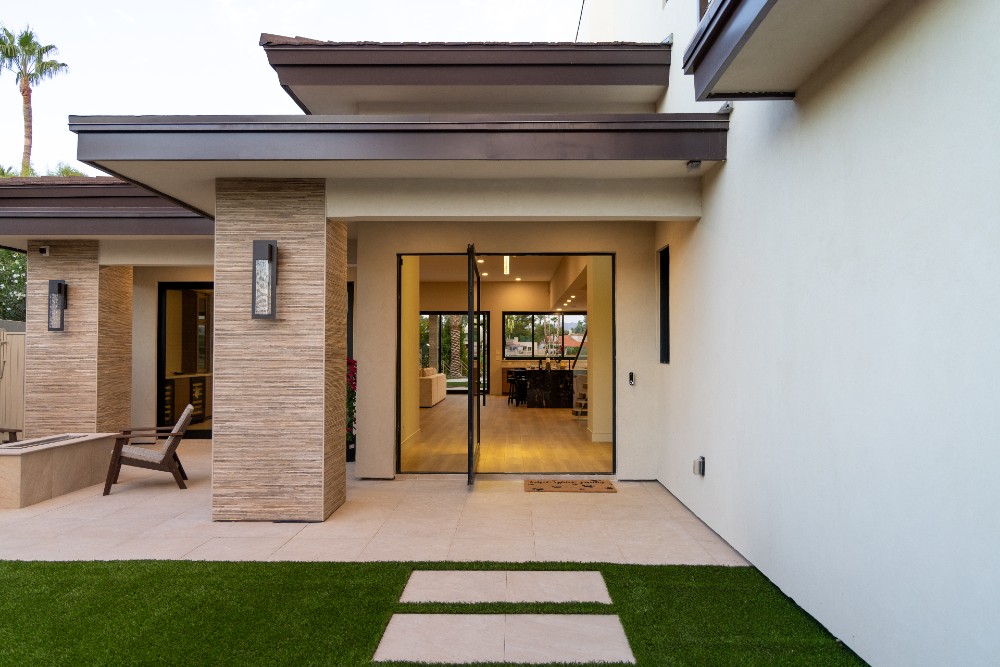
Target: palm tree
x,y
30,63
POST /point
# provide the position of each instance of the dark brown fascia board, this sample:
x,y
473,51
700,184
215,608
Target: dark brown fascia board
x,y
459,54
336,138
722,33
304,62
40,227
103,206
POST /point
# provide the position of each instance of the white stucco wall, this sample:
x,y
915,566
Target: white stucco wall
x,y
375,343
834,338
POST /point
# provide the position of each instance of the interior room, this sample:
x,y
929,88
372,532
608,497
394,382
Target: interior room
x,y
545,350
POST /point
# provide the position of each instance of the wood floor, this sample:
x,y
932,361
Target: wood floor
x,y
514,440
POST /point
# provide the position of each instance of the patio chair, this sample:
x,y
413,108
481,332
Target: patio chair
x,y
163,458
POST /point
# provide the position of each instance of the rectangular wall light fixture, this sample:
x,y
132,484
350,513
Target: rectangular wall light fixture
x,y
57,305
506,265
265,279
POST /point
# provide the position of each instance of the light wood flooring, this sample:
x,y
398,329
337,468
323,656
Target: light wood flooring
x,y
514,440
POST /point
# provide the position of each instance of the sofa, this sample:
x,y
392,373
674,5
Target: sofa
x,y
433,387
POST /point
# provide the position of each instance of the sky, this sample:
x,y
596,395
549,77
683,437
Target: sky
x,y
202,56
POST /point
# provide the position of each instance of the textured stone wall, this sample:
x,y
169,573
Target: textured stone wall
x,y
114,349
279,398
335,404
60,386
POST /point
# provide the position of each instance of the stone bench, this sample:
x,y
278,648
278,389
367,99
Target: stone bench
x,y
41,468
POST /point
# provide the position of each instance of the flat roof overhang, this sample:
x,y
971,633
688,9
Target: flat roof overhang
x,y
351,78
56,207
180,157
766,49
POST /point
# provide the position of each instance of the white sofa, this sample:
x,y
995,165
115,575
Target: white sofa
x,y
433,387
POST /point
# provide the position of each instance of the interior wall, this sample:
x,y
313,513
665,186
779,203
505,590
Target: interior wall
x,y
600,355
633,244
570,268
145,280
409,370
834,351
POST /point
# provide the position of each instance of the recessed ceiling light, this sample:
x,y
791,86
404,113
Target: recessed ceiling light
x,y
558,308
572,296
484,274
480,260
517,279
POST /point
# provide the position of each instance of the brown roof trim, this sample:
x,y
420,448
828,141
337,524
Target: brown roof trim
x,y
305,62
722,32
293,138
91,207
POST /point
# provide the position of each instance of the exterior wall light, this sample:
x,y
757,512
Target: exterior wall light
x,y
57,305
265,279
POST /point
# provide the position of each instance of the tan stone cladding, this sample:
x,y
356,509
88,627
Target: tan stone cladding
x,y
279,397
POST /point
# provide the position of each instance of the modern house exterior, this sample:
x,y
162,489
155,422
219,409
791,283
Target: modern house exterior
x,y
799,203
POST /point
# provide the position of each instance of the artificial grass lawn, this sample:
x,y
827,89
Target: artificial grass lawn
x,y
143,612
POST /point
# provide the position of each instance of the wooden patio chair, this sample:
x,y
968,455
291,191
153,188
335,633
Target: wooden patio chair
x,y
163,458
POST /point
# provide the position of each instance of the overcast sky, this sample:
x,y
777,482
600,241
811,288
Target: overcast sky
x,y
202,56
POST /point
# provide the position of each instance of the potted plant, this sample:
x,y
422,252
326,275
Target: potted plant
x,y
352,406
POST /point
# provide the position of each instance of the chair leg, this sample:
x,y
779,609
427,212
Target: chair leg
x,y
180,467
113,470
177,476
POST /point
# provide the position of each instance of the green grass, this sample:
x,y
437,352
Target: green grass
x,y
173,612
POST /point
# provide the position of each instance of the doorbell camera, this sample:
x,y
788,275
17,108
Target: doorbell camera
x,y
43,250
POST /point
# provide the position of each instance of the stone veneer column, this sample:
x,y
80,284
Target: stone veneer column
x,y
78,380
114,349
279,397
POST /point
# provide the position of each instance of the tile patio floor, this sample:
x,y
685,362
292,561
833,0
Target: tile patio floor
x,y
432,518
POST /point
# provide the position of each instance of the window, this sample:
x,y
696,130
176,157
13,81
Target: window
x,y
540,335
665,305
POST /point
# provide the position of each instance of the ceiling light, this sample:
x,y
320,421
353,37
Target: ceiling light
x,y
484,274
506,265
517,279
558,309
572,296
480,260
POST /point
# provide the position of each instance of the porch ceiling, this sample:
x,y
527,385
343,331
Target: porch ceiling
x,y
181,157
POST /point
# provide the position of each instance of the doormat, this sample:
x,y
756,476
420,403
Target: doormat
x,y
569,486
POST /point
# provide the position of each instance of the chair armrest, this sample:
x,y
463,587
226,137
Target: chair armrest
x,y
143,434
131,429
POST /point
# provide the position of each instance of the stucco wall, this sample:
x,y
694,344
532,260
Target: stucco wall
x,y
834,352
375,344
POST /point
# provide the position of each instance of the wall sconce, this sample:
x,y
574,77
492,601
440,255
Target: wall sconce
x,y
57,305
265,279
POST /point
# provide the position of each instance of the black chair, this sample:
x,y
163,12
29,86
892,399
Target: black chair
x,y
521,385
512,382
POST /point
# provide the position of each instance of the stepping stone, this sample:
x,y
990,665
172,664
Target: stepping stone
x,y
498,586
522,638
535,638
557,587
442,638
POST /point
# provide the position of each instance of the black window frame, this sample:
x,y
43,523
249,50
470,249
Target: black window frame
x,y
664,269
533,313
